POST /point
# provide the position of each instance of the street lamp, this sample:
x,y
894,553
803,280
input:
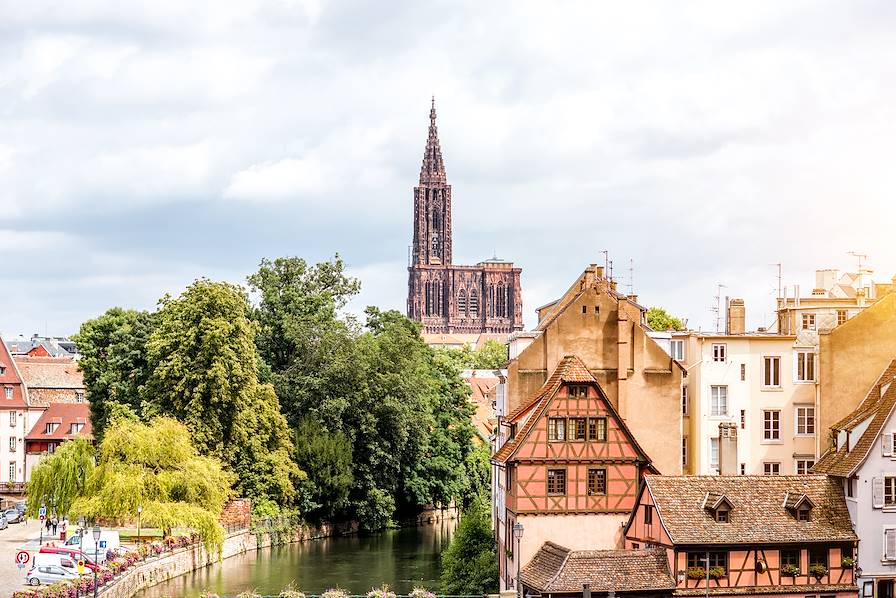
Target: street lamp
x,y
518,534
43,507
96,554
81,532
139,510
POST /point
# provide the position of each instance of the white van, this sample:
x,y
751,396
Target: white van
x,y
108,541
44,559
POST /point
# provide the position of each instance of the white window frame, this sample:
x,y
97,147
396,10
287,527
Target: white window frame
x,y
801,357
892,479
12,471
715,397
12,419
12,444
677,349
771,434
808,463
766,466
771,378
886,556
796,420
714,464
719,352
8,391
805,317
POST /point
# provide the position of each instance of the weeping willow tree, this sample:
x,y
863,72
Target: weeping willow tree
x,y
156,466
62,477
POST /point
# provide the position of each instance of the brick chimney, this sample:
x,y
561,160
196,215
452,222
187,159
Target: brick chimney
x,y
727,448
735,323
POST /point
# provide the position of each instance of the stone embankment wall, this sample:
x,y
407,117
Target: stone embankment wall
x,y
184,560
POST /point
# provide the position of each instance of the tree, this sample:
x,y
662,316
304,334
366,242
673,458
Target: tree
x,y
204,373
114,361
327,459
156,466
660,320
492,355
470,563
59,479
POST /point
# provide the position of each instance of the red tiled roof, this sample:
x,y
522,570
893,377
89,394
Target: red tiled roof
x,y
555,569
64,414
10,378
50,372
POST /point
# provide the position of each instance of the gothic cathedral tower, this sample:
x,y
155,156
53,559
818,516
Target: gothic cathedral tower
x,y
445,298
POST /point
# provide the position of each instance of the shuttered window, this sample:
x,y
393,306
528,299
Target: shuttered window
x,y
886,444
889,544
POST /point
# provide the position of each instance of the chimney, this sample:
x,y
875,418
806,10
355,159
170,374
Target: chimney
x,y
633,298
826,279
735,323
727,448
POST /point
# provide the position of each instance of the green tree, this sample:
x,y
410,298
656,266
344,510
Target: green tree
x,y
114,361
659,319
204,373
470,563
59,479
492,355
156,466
327,459
478,471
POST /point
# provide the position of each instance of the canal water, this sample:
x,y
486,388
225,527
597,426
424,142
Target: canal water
x,y
402,558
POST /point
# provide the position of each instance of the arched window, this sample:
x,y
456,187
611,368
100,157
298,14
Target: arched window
x,y
437,218
435,245
462,303
428,291
501,301
474,303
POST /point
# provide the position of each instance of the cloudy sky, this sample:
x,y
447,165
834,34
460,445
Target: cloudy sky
x,y
143,145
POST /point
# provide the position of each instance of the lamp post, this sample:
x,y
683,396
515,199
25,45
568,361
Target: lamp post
x,y
707,574
96,554
81,532
43,506
139,511
518,534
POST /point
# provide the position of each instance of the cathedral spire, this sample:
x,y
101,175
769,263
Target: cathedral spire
x,y
433,169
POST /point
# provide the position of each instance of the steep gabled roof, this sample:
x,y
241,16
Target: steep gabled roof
x,y
877,405
559,570
570,369
759,515
63,414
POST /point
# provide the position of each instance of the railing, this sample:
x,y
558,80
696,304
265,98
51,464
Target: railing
x,y
233,528
12,487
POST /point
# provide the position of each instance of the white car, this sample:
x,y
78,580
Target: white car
x,y
49,574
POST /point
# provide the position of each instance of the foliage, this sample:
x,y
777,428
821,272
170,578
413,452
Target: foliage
x,y
790,570
848,562
291,591
659,319
327,459
157,466
62,477
381,592
248,594
114,361
492,355
204,373
421,593
470,563
478,474
334,593
696,573
717,572
818,570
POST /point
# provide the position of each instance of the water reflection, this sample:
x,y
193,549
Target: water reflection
x,y
401,558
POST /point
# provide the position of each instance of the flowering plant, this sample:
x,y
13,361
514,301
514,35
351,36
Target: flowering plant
x,y
421,593
696,572
334,593
818,570
790,570
382,592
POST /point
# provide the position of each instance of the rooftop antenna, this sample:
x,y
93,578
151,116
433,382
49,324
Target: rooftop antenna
x,y
718,308
861,258
631,276
606,261
611,271
779,278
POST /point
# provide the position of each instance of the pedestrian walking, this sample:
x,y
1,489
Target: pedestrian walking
x,y
49,525
55,523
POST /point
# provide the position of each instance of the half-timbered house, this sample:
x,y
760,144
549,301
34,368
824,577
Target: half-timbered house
x,y
749,535
571,469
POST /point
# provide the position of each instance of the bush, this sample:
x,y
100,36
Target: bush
x,y
848,562
421,593
716,572
334,593
291,591
818,570
382,592
248,594
696,573
790,570
470,563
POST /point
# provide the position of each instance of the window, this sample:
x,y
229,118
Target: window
x,y
771,425
803,514
79,397
12,418
716,559
461,301
51,427
597,429
743,419
808,321
678,350
684,451
597,481
577,428
743,469
805,421
842,316
51,448
805,366
771,469
804,465
556,481
890,491
719,351
771,371
743,372
75,428
850,484
12,444
556,429
685,408
578,392
2,369
818,556
722,515
889,545
648,514
12,471
791,557
714,453
719,400
9,392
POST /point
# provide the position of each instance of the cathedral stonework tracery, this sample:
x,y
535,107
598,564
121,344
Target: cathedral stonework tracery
x,y
446,298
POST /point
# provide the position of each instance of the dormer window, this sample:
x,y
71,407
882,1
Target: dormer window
x,y
799,505
51,427
803,514
2,369
578,392
719,507
722,515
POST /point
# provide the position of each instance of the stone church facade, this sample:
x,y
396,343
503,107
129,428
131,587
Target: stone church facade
x,y
446,298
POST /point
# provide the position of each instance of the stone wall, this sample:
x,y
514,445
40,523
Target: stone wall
x,y
185,560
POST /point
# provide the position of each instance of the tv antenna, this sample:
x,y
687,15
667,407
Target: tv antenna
x,y
718,308
631,276
861,258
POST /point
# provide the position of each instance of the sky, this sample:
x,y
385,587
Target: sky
x,y
144,145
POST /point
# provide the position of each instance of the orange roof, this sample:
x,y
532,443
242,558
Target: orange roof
x,y
64,414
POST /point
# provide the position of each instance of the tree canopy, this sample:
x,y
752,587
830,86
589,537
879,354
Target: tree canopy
x,y
59,479
659,319
470,563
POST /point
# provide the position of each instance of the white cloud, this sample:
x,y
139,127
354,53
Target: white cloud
x,y
279,181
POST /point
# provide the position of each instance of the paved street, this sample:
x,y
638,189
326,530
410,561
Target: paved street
x,y
17,536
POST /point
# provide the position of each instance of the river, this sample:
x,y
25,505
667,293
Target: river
x,y
402,558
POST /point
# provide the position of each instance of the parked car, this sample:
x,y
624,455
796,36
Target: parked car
x,y
13,516
49,574
20,507
3,522
72,552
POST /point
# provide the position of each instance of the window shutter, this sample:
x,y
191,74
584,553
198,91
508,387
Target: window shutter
x,y
877,493
886,444
889,544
